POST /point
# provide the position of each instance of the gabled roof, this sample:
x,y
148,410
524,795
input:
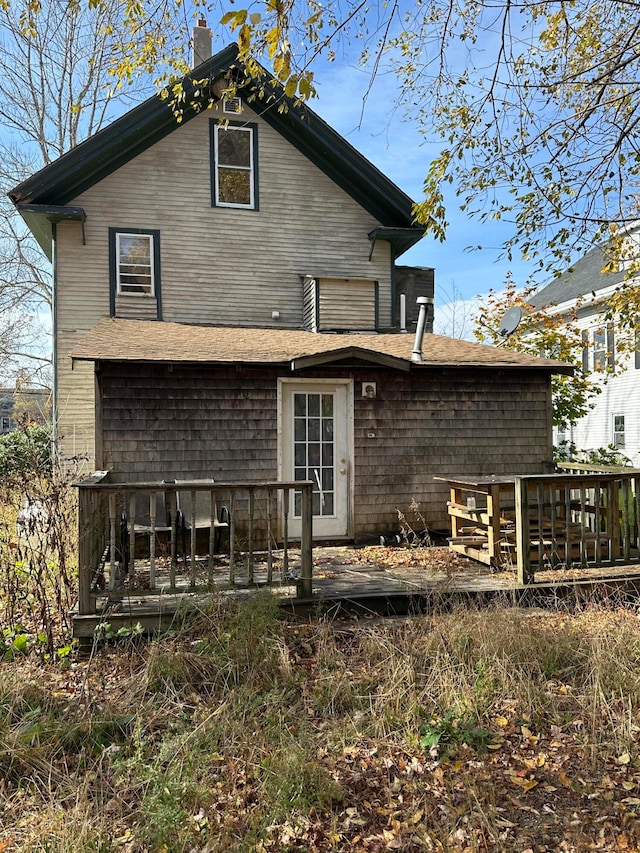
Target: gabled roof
x,y
581,279
102,154
153,341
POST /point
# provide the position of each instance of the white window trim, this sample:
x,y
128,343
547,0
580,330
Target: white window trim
x,y
119,290
615,432
250,168
599,334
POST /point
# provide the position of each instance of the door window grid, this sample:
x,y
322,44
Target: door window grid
x,y
314,450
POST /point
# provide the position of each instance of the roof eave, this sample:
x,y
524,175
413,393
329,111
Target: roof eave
x,y
40,219
109,149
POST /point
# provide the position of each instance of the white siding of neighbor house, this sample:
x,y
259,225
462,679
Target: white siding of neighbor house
x,y
620,396
219,265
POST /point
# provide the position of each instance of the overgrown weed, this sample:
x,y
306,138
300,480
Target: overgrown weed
x,y
38,564
243,731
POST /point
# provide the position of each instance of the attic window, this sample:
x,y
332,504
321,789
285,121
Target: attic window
x,y
232,106
235,165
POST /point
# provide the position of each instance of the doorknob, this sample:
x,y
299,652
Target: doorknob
x,y
343,470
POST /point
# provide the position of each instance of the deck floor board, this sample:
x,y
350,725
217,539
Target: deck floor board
x,y
340,580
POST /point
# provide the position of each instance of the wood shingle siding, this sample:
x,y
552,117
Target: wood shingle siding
x,y
222,423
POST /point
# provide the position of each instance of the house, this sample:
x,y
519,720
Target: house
x,y
613,420
228,304
23,406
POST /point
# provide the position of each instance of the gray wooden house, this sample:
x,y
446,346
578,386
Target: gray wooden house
x,y
228,305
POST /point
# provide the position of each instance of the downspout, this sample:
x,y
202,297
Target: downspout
x,y
54,353
423,302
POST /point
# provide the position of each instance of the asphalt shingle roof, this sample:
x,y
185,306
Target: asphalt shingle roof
x,y
153,341
581,279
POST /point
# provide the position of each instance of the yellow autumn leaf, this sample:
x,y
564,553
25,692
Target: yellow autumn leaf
x,y
564,779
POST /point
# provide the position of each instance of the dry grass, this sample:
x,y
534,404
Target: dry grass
x,y
500,729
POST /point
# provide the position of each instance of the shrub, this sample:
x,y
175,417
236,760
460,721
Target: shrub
x,y
25,452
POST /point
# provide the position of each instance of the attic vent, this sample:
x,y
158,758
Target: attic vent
x,y
232,106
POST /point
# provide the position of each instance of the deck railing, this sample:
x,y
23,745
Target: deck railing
x,y
585,519
188,535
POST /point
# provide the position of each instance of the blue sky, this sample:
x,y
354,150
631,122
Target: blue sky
x,y
397,148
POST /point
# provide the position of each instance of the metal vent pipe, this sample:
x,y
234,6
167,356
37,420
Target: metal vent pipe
x,y
423,302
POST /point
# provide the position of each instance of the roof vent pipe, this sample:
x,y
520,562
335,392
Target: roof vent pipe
x,y
201,45
423,302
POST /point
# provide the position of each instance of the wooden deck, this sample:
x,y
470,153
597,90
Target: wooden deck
x,y
342,583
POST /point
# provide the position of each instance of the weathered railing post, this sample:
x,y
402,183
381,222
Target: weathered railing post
x,y
85,532
306,580
523,544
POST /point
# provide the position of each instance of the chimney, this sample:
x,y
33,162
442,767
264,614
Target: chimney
x,y
201,46
423,302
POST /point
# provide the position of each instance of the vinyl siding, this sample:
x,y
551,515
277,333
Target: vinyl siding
x,y
620,395
219,265
347,304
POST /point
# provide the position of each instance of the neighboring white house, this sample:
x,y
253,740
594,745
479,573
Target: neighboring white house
x,y
614,419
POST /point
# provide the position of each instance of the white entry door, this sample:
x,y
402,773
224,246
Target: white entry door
x,y
315,446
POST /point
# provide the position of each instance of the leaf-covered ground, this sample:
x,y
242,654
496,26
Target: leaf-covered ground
x,y
494,730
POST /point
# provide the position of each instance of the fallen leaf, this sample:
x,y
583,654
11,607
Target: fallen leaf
x,y
564,779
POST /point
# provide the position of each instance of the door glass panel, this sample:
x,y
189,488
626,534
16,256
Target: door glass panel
x,y
313,449
313,455
300,429
299,405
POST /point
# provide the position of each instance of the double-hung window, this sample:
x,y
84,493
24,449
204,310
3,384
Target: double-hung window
x,y
598,348
234,165
618,431
135,272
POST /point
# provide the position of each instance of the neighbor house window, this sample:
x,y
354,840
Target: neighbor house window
x,y
598,352
599,344
234,165
618,431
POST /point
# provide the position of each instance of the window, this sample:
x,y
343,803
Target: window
x,y
618,431
599,344
234,166
598,348
134,265
5,424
